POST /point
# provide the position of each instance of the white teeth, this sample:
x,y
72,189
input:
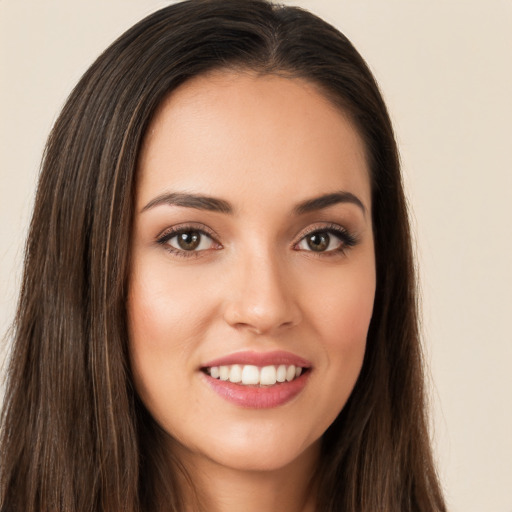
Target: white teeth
x,y
224,372
252,375
235,375
268,376
281,373
290,373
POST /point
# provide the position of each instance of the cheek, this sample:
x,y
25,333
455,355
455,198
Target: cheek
x,y
345,340
163,309
343,305
341,315
165,326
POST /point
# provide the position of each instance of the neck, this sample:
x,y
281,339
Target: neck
x,y
220,489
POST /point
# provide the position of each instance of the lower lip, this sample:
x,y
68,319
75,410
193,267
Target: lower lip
x,y
254,397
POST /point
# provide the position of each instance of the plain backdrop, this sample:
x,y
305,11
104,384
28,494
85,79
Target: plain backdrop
x,y
445,69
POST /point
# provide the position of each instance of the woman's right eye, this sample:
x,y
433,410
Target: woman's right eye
x,y
190,241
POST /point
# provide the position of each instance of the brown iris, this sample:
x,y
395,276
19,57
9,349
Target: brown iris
x,y
318,242
189,240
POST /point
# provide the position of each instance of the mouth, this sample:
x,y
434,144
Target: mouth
x,y
257,380
252,375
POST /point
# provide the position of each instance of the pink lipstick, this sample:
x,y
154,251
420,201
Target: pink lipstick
x,y
257,379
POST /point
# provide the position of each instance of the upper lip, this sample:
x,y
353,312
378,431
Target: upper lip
x,y
277,357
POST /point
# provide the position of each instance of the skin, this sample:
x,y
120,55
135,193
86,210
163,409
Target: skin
x,y
264,144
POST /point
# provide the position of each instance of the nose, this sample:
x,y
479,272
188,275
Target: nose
x,y
262,298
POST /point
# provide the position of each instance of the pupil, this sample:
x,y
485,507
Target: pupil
x,y
188,241
318,241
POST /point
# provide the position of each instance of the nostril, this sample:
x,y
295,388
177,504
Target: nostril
x,y
262,298
261,319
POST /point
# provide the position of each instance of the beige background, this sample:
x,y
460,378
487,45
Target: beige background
x,y
445,67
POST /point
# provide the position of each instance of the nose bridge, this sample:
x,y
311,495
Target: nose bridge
x,y
262,298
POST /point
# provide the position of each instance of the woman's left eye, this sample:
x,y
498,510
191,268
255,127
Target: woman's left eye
x,y
326,240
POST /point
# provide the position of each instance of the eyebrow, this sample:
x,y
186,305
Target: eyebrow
x,y
199,202
326,200
213,204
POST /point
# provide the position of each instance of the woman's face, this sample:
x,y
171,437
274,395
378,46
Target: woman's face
x,y
252,258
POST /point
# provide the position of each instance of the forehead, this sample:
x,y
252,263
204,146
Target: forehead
x,y
265,132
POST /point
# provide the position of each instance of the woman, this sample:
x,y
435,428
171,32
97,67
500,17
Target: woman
x,y
218,306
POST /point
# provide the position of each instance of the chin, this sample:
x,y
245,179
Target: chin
x,y
263,451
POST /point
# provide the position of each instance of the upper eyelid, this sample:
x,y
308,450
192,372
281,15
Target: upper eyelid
x,y
187,226
320,227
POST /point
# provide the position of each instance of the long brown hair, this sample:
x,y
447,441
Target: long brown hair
x,y
74,435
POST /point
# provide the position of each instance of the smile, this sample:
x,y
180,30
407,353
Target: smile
x,y
257,380
251,375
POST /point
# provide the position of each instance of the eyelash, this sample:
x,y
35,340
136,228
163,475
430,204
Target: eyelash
x,y
347,239
167,235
